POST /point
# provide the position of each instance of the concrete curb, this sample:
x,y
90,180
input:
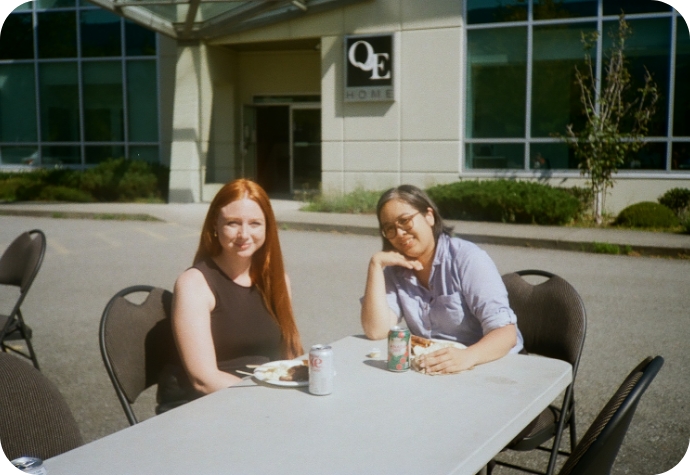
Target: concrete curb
x,y
555,244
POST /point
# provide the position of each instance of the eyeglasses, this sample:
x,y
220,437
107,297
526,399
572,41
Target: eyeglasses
x,y
405,223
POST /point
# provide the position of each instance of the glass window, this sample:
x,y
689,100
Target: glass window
x,y
681,107
142,101
649,46
103,108
17,39
614,7
61,155
557,51
96,154
139,41
54,3
484,156
59,94
550,9
552,156
18,155
17,103
23,7
148,153
680,156
100,33
650,157
493,11
57,34
496,83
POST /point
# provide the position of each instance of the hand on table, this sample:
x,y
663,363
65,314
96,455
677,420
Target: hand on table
x,y
447,361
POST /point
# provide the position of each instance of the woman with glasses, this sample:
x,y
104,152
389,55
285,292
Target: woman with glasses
x,y
442,286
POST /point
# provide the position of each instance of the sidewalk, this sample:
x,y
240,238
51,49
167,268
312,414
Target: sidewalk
x,y
290,217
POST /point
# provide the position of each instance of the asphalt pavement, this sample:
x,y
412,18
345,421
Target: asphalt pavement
x,y
637,305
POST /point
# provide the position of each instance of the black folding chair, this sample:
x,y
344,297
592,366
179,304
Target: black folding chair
x,y
597,451
19,265
137,343
35,419
552,319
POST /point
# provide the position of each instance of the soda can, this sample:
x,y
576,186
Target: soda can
x,y
398,349
31,465
321,370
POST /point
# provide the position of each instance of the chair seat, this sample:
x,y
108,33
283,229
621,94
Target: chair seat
x,y
13,334
540,431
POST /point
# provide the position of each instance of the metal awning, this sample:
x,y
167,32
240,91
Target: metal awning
x,y
208,19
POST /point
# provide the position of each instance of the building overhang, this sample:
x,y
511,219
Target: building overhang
x,y
209,19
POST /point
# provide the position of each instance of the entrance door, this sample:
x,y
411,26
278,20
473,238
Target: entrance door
x,y
282,148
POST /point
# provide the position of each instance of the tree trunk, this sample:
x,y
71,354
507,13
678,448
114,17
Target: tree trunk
x,y
599,206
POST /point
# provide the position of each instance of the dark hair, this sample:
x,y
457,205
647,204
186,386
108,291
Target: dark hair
x,y
419,200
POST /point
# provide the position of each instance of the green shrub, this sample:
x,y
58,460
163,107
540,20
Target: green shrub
x,y
358,201
505,201
685,221
676,199
125,180
647,214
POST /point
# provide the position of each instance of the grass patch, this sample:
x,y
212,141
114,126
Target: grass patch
x,y
608,248
359,201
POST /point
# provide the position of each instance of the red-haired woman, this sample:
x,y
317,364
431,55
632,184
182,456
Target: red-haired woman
x,y
233,305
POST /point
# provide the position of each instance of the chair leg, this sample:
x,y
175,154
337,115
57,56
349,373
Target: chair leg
x,y
573,432
34,359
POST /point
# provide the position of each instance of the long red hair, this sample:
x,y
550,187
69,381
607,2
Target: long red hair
x,y
267,271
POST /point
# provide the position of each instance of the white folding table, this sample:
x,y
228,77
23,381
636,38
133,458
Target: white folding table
x,y
375,422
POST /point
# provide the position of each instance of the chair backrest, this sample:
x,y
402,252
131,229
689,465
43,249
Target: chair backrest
x,y
551,315
20,262
35,420
598,448
136,342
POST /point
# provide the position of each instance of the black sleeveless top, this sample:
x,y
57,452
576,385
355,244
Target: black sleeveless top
x,y
240,323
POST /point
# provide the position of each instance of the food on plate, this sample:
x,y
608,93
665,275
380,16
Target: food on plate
x,y
287,371
423,346
296,373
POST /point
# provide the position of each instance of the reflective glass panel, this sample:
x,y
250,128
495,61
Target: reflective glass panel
x,y
18,155
138,40
59,94
494,11
17,103
649,46
614,7
100,33
482,156
23,7
142,101
103,105
57,34
551,156
681,107
557,51
61,155
680,156
147,153
16,38
650,157
54,3
496,82
96,154
551,9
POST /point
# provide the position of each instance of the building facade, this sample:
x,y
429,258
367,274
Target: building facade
x,y
344,94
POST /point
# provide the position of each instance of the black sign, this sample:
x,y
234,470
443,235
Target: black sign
x,y
369,68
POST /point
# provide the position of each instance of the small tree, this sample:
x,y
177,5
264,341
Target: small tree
x,y
602,145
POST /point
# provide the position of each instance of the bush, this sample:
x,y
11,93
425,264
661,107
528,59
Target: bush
x,y
111,180
505,201
676,199
647,214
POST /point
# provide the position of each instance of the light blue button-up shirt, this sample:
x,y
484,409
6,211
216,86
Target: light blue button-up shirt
x,y
466,298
